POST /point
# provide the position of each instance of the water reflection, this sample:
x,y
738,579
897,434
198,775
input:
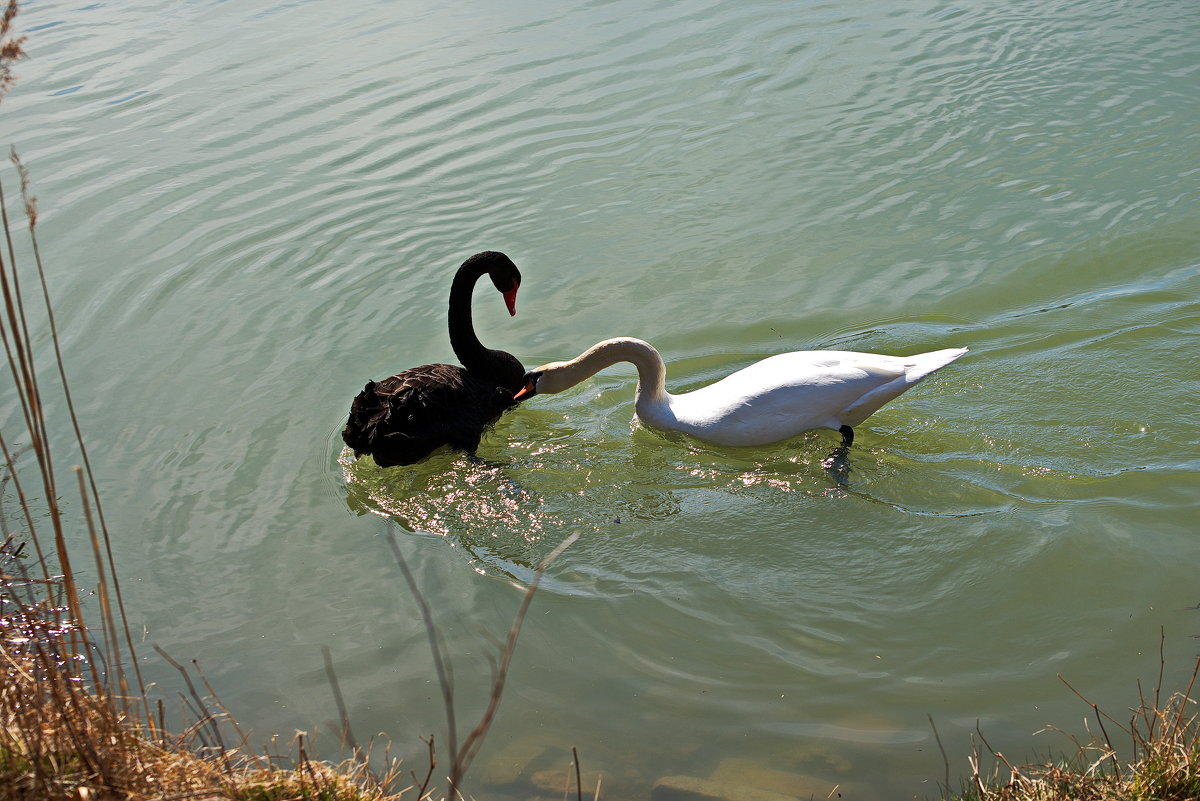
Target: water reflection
x,y
530,487
476,503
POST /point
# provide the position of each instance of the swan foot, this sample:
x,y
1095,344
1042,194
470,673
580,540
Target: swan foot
x,y
837,463
479,461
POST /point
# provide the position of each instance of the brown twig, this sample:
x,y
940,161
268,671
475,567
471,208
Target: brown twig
x,y
462,756
945,759
429,773
1180,714
243,737
1162,665
1081,697
578,779
441,662
203,708
474,740
347,733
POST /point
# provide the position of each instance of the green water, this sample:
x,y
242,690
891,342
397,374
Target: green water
x,y
250,209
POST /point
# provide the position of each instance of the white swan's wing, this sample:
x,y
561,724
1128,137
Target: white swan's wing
x,y
781,396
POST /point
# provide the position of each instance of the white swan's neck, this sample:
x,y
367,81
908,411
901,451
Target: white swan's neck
x,y
652,372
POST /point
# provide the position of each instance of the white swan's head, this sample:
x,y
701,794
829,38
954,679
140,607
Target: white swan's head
x,y
549,379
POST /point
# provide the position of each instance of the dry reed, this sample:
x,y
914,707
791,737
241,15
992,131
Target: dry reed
x,y
75,720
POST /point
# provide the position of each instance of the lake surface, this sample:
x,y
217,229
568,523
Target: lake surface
x,y
249,209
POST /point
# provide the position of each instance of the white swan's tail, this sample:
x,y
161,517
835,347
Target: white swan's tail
x,y
921,365
914,369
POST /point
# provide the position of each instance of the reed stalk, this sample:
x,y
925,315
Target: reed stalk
x,y
462,755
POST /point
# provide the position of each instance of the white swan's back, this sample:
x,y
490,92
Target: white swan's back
x,y
784,395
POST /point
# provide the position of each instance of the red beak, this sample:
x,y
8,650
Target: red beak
x,y
510,300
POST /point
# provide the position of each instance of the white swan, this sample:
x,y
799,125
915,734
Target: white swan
x,y
769,401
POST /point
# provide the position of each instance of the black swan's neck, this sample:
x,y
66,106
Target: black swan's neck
x,y
470,351
467,347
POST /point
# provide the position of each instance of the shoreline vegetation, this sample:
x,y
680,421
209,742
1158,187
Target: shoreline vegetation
x,y
77,721
74,722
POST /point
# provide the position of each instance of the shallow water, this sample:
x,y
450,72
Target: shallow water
x,y
250,209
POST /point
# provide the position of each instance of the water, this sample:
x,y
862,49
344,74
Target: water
x,y
249,209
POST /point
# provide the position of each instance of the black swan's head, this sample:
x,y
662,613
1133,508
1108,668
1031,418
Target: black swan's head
x,y
505,275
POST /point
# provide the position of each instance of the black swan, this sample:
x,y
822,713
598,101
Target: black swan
x,y
402,419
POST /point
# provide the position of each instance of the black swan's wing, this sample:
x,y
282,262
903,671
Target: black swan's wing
x,y
402,419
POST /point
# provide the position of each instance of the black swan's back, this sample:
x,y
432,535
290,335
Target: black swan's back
x,y
402,419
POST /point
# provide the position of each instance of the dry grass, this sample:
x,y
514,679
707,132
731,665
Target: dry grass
x,y
64,737
1162,739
